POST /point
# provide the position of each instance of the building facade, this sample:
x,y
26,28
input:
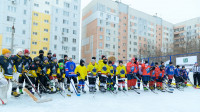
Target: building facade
x,y
41,24
114,29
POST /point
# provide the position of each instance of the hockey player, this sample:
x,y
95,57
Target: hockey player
x,y
170,73
94,58
54,70
70,67
157,74
39,70
177,76
139,73
65,58
26,62
152,78
61,76
103,70
81,72
49,56
43,77
6,73
110,77
114,76
121,74
92,75
18,68
32,73
160,77
146,74
185,76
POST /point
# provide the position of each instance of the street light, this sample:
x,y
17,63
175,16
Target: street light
x,y
12,40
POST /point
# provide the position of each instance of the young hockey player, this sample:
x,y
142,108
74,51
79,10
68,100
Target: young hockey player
x,y
70,67
170,73
65,58
54,70
157,74
92,74
49,56
146,74
81,72
32,73
177,76
44,76
140,73
114,76
121,74
103,68
110,77
6,73
160,77
61,76
185,76
26,61
152,78
18,67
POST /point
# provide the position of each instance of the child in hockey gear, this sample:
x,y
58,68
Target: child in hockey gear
x,y
49,56
160,77
140,73
121,74
5,65
103,68
110,77
69,72
157,75
61,76
44,76
152,78
114,76
54,68
92,73
185,76
27,60
65,58
81,72
170,73
146,74
177,76
18,67
32,73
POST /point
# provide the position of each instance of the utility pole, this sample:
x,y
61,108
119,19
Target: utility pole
x,y
12,39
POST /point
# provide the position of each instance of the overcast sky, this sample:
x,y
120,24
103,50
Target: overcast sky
x,y
173,11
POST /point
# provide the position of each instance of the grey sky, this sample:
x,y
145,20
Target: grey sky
x,y
174,11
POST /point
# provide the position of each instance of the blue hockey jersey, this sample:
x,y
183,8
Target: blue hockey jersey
x,y
69,69
170,70
114,67
177,72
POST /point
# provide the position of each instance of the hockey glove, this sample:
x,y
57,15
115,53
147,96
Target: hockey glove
x,y
118,77
78,74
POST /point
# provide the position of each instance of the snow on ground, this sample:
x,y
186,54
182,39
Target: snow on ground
x,y
179,101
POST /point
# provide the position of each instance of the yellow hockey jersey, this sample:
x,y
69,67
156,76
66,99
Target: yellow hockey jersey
x,y
111,70
103,69
121,70
82,70
92,69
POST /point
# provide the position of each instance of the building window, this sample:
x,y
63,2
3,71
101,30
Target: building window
x,y
100,37
46,2
100,44
44,48
35,24
33,52
46,30
23,32
46,21
57,2
135,43
34,33
108,46
35,14
107,38
25,2
55,37
65,21
65,30
36,5
23,42
74,23
67,5
46,12
34,43
24,21
74,40
66,13
124,44
73,57
101,29
55,47
113,46
73,48
24,12
65,39
45,39
74,32
75,7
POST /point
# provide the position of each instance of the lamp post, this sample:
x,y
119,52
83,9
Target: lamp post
x,y
12,40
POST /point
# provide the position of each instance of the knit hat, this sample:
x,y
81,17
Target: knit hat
x,y
65,56
103,56
26,51
49,53
120,61
110,62
5,51
54,55
19,50
94,58
41,51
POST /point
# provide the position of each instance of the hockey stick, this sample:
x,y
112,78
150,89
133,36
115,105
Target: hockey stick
x,y
143,84
75,89
2,101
